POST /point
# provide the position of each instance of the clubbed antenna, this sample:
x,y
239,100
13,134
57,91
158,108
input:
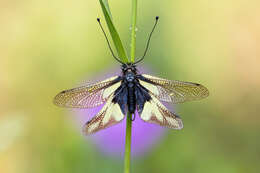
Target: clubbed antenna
x,y
148,42
98,19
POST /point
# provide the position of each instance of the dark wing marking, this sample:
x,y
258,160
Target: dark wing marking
x,y
88,96
155,112
109,115
141,95
121,95
173,91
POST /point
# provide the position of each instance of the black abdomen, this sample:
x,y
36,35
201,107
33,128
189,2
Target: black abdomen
x,y
131,98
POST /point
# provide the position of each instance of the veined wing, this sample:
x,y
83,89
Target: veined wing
x,y
88,96
173,91
155,112
109,115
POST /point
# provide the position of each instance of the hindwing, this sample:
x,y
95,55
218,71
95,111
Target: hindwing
x,y
155,112
110,114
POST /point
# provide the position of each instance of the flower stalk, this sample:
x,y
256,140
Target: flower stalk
x,y
128,143
128,120
133,30
123,56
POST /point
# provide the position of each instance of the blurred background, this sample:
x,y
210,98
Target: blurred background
x,y
49,46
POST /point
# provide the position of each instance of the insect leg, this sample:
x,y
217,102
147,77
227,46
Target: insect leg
x,y
133,117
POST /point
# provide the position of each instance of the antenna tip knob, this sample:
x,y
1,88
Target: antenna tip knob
x,y
157,17
98,19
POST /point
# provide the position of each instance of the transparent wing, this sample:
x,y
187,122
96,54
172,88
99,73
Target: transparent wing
x,y
173,91
109,115
156,112
88,96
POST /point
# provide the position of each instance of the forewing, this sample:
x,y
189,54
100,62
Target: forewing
x,y
109,115
173,91
155,112
88,96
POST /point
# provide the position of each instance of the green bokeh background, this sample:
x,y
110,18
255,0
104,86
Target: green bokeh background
x,y
47,46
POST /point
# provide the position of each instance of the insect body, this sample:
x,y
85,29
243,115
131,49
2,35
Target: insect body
x,y
131,91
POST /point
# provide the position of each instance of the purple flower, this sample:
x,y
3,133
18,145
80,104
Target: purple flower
x,y
111,141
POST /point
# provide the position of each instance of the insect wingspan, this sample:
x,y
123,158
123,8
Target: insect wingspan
x,y
88,96
156,112
109,115
173,91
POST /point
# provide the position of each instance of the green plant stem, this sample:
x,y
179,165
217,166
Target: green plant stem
x,y
113,32
133,29
128,143
128,119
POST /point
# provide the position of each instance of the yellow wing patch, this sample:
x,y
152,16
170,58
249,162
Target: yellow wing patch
x,y
109,115
88,96
158,91
174,91
156,112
